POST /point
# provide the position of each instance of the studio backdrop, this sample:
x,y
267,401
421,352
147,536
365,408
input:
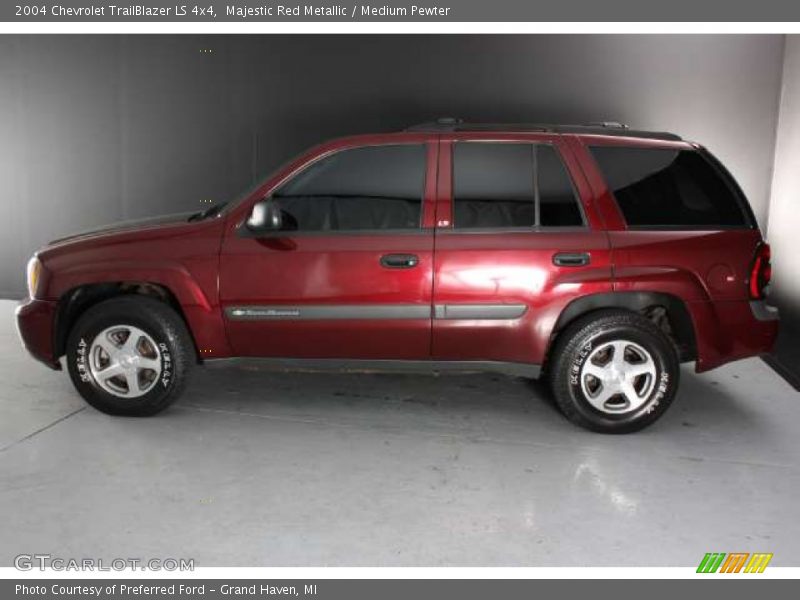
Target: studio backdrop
x,y
95,129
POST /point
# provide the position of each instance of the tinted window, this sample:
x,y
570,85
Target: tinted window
x,y
495,185
668,188
374,187
558,206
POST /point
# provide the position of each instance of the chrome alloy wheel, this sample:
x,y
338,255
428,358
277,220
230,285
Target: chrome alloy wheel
x,y
125,361
618,376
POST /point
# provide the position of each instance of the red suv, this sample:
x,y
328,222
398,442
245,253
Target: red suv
x,y
598,256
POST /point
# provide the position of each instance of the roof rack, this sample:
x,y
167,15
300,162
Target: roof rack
x,y
453,124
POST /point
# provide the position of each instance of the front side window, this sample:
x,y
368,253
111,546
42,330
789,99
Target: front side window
x,y
657,187
511,185
368,188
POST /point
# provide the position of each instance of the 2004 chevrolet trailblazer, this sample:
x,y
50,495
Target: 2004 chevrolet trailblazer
x,y
598,256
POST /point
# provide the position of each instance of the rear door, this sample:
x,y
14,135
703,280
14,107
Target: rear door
x,y
351,274
517,238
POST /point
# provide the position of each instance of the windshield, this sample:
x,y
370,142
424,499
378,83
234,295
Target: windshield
x,y
227,206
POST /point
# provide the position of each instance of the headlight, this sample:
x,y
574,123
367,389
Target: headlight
x,y
34,271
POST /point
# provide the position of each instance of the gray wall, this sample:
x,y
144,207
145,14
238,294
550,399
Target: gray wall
x,y
99,128
784,222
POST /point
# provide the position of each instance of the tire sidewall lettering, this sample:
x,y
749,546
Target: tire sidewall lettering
x,y
660,391
577,363
167,367
81,361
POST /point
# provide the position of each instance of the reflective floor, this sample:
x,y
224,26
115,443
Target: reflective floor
x,y
266,469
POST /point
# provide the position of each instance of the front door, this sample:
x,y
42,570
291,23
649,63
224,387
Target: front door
x,y
349,275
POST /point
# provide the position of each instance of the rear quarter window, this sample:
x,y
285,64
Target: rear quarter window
x,y
672,189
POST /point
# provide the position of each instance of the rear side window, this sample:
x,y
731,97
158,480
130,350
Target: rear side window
x,y
511,185
664,188
369,188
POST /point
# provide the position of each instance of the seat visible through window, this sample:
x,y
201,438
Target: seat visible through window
x,y
512,185
367,188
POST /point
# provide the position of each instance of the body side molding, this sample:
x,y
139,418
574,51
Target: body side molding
x,y
375,311
325,312
479,311
380,365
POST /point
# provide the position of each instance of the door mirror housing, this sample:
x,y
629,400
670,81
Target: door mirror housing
x,y
265,216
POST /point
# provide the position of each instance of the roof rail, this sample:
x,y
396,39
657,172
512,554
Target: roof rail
x,y
453,124
610,124
440,124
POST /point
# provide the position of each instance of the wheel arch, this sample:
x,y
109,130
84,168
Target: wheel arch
x,y
73,303
667,311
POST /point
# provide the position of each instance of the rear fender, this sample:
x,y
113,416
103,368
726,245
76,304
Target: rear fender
x,y
681,320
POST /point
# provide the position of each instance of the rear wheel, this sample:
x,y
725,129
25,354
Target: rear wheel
x,y
614,372
130,356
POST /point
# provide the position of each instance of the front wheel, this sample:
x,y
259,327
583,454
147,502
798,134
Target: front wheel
x,y
614,372
130,356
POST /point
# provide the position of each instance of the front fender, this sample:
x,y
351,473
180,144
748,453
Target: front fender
x,y
171,275
195,291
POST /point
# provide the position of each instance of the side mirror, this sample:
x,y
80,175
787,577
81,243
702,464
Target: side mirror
x,y
265,216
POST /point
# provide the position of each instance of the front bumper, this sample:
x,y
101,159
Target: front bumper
x,y
35,323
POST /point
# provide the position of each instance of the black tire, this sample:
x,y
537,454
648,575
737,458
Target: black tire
x,y
162,324
575,345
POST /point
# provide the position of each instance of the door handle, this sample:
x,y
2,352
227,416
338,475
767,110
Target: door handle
x,y
571,259
399,261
